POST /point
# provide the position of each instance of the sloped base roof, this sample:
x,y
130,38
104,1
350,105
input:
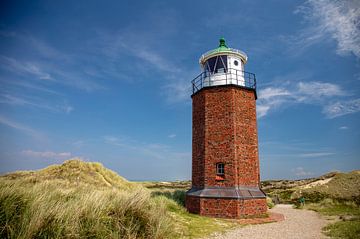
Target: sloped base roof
x,y
227,192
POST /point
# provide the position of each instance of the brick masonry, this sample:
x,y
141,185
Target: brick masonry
x,y
227,208
225,131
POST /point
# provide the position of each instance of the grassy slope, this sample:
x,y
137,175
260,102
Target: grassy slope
x,y
338,198
343,186
71,173
78,199
186,224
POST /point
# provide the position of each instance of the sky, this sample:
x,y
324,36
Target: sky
x,y
110,81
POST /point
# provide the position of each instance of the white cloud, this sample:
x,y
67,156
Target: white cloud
x,y
315,154
317,90
312,92
46,154
178,91
262,110
18,126
339,20
56,108
301,172
31,86
172,136
341,108
343,128
270,92
150,151
176,80
14,124
22,68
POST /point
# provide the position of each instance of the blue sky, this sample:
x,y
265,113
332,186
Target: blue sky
x,y
110,82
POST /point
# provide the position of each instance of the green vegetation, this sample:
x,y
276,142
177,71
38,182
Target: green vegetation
x,y
344,229
347,214
78,200
186,224
342,187
334,195
340,198
269,202
194,226
86,200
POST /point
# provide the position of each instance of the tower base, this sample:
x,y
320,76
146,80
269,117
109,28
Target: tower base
x,y
227,202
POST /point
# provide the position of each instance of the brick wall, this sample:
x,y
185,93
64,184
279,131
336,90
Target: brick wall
x,y
226,208
225,130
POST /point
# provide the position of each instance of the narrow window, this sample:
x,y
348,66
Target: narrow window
x,y
220,171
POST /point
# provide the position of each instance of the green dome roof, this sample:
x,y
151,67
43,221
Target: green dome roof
x,y
223,50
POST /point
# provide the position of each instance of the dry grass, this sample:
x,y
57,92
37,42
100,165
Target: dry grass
x,y
86,200
343,186
78,200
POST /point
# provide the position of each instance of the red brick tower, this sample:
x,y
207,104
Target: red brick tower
x,y
225,163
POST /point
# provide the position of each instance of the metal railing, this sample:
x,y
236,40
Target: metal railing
x,y
228,77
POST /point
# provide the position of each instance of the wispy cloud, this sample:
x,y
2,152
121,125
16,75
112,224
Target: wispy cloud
x,y
313,92
171,136
40,46
301,172
176,87
14,100
30,86
343,128
47,154
341,108
49,63
18,126
150,151
338,20
24,68
316,154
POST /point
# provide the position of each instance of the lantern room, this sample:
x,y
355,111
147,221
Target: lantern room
x,y
223,66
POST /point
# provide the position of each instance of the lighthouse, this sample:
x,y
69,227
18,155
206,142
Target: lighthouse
x,y
225,161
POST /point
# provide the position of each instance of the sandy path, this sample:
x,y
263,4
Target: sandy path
x,y
302,224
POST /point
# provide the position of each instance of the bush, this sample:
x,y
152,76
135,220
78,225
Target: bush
x,y
269,202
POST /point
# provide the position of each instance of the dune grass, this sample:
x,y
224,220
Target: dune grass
x,y
187,225
78,200
85,200
347,214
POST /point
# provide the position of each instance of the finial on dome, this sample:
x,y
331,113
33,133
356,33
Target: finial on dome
x,y
222,42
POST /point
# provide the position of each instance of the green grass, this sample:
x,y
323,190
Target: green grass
x,y
86,200
339,198
343,186
194,226
186,224
58,207
347,212
343,229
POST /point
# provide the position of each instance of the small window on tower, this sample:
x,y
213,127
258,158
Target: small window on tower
x,y
236,63
220,171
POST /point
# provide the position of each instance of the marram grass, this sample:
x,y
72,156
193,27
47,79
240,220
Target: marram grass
x,y
78,200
